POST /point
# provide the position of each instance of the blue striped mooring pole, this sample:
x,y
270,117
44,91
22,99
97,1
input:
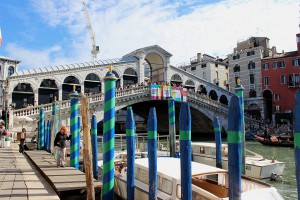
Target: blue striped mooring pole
x,y
172,127
74,150
42,129
297,140
185,120
218,138
109,135
46,135
152,154
94,145
130,139
234,139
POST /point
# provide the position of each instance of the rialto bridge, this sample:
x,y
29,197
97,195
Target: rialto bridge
x,y
28,90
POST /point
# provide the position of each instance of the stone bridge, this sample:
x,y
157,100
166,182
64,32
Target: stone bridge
x,y
203,109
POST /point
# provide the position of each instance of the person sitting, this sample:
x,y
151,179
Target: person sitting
x,y
60,143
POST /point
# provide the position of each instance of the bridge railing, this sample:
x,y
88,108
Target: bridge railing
x,y
67,103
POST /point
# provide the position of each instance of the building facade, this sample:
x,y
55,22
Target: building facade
x,y
245,64
281,80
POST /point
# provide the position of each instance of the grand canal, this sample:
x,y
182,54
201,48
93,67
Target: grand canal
x,y
287,187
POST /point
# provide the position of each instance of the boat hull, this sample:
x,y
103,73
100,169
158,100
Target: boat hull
x,y
252,170
270,143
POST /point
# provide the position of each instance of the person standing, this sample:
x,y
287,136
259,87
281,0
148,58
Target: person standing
x,y
60,142
3,133
22,140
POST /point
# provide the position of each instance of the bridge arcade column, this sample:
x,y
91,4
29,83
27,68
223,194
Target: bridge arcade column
x,y
36,97
167,70
121,82
60,93
140,67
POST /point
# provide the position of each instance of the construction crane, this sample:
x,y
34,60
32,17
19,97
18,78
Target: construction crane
x,y
95,49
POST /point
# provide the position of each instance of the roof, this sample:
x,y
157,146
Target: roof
x,y
156,47
283,55
164,167
74,66
9,59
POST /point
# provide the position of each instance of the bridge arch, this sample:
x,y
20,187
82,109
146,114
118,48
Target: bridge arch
x,y
92,84
68,84
156,64
213,95
129,76
190,85
201,89
23,95
117,74
176,79
47,91
223,99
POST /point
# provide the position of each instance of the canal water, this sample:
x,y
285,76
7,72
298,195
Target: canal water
x,y
287,187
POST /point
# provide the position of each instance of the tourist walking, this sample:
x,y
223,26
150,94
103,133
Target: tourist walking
x,y
3,133
22,140
60,142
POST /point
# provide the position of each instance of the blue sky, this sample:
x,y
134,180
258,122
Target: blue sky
x,y
44,33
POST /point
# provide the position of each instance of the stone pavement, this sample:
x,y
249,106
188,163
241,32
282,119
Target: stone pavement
x,y
19,178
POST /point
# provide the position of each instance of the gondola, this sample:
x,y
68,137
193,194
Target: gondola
x,y
282,143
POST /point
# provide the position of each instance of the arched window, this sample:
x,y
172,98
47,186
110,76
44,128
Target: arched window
x,y
130,72
251,65
11,71
252,78
236,68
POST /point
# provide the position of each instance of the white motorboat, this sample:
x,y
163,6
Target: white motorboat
x,y
207,182
256,165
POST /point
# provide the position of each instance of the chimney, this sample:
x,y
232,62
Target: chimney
x,y
298,43
199,57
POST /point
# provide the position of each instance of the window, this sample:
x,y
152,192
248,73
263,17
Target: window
x,y
216,65
277,108
237,56
291,80
283,79
193,68
252,78
11,71
250,53
275,65
296,62
266,78
281,64
236,68
277,96
252,93
165,185
251,65
204,77
203,65
266,66
297,79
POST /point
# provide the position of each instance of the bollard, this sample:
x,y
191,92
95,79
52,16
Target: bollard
x,y
234,139
218,139
130,139
185,151
152,154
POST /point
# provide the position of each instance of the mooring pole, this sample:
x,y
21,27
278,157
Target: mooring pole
x,y
87,149
42,129
172,127
239,91
185,151
218,138
152,153
297,140
130,139
109,135
94,145
74,150
234,139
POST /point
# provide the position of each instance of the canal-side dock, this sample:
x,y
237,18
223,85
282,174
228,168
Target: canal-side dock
x,y
20,179
68,182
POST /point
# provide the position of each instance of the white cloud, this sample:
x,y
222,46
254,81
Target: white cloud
x,y
122,26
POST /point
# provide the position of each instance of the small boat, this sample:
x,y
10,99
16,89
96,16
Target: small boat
x,y
275,142
256,165
207,182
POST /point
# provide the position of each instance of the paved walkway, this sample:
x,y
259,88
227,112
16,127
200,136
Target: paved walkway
x,y
19,178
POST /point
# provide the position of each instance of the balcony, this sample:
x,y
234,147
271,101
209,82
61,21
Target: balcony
x,y
237,74
251,71
252,87
293,84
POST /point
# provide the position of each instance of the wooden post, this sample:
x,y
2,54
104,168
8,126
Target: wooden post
x,y
87,156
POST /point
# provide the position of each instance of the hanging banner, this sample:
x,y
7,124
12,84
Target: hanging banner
x,y
167,92
156,92
176,94
184,94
